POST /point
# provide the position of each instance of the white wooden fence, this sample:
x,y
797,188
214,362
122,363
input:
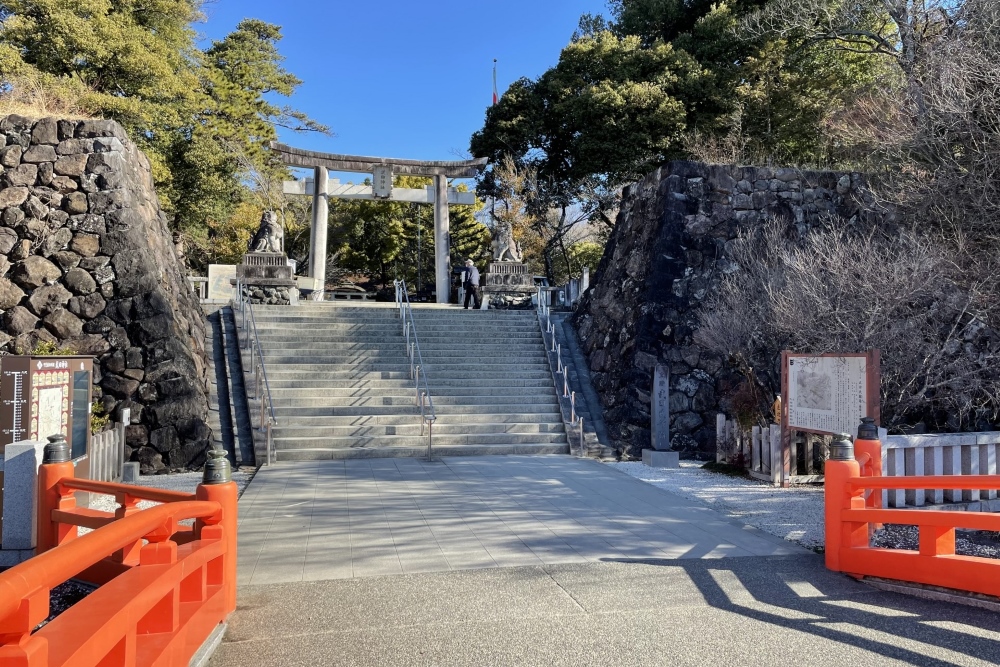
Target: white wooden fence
x,y
107,452
902,456
943,454
761,452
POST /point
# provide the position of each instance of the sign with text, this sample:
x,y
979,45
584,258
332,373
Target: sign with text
x,y
382,182
830,393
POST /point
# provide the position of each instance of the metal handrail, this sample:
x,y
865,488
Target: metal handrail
x,y
547,327
252,340
427,414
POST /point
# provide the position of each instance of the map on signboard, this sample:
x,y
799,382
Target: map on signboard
x,y
219,285
827,394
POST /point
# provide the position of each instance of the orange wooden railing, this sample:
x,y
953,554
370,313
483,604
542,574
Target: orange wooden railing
x,y
164,587
851,518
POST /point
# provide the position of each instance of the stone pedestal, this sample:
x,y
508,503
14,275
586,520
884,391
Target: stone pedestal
x,y
268,279
656,459
508,285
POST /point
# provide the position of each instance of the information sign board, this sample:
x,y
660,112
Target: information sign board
x,y
826,394
220,277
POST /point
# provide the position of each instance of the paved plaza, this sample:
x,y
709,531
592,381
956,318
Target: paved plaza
x,y
340,519
549,561
732,612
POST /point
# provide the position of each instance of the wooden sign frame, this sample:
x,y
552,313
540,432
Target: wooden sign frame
x,y
873,382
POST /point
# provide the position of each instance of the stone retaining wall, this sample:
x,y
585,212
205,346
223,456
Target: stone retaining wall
x,y
87,261
665,255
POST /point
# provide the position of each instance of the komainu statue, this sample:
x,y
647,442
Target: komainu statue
x,y
505,248
269,236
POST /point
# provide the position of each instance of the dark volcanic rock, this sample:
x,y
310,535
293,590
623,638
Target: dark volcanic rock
x,y
19,320
10,294
80,225
63,324
34,272
46,299
664,258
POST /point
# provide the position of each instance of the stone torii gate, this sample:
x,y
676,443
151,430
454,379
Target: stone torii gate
x,y
382,171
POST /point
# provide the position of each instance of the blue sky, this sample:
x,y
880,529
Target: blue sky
x,y
405,79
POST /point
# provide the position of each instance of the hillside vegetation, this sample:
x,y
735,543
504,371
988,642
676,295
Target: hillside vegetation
x,y
904,91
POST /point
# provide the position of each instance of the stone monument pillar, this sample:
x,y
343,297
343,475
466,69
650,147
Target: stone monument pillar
x,y
265,275
660,455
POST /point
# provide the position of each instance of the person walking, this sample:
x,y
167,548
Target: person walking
x,y
470,281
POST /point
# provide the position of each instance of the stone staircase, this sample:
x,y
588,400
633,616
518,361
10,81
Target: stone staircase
x,y
341,386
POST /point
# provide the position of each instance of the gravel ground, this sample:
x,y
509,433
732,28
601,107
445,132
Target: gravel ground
x,y
794,514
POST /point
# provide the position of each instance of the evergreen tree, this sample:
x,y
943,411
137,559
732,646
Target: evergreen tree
x,y
202,118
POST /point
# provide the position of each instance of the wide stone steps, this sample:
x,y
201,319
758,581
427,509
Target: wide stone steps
x,y
445,347
341,386
484,369
369,430
442,409
406,419
312,373
365,338
399,399
336,454
330,442
437,391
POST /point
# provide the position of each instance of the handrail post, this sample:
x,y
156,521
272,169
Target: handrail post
x,y
430,440
225,493
258,390
868,443
572,406
838,471
583,448
56,466
269,442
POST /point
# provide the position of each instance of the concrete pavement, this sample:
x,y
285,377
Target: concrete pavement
x,y
785,611
338,519
548,561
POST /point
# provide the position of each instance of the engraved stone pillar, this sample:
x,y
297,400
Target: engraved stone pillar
x,y
660,421
660,456
442,240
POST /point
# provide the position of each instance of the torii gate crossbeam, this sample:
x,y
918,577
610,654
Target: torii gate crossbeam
x,y
382,170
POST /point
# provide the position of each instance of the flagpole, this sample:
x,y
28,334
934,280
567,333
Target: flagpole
x,y
495,96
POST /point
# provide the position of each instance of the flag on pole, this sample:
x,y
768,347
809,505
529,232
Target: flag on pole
x,y
495,96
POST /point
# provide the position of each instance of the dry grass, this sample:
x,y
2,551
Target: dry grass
x,y
36,97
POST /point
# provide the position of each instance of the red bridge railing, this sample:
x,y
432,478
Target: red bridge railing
x,y
851,516
164,586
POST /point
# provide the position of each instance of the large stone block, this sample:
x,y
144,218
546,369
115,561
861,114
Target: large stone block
x,y
35,272
661,459
20,494
10,294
